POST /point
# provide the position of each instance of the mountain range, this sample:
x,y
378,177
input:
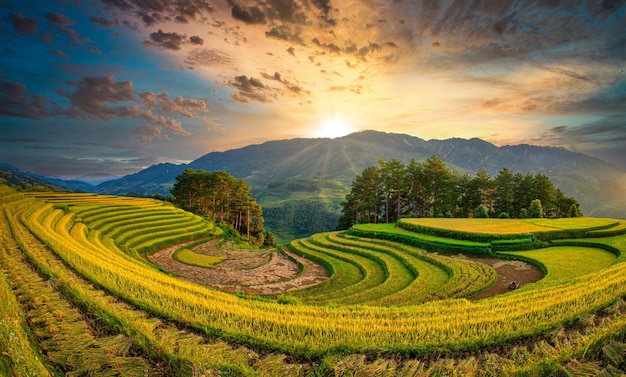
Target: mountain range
x,y
323,169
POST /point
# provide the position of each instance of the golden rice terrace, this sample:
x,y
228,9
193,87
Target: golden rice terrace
x,y
81,296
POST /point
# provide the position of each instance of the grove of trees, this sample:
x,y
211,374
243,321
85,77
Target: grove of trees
x,y
393,190
221,198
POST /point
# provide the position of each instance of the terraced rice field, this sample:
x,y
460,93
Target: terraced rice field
x,y
83,300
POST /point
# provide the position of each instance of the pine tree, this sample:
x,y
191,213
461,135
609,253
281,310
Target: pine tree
x,y
535,210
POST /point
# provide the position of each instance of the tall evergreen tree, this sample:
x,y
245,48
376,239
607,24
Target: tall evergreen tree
x,y
222,198
438,185
503,192
535,210
391,190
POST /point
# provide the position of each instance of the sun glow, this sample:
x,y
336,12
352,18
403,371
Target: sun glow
x,y
332,127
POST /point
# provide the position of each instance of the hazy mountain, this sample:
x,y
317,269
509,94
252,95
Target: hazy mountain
x,y
155,179
322,170
96,178
14,177
330,165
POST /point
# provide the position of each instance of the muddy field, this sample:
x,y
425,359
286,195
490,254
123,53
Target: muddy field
x,y
269,272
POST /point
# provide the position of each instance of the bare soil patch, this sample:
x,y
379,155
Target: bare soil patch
x,y
265,272
508,271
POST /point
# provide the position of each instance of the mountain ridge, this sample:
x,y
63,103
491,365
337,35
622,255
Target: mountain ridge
x,y
598,185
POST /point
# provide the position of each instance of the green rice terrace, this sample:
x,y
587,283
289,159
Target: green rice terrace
x,y
111,286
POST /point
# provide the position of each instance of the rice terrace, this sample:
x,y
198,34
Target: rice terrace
x,y
81,296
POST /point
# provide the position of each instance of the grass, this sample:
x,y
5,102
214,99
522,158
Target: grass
x,y
189,257
511,226
565,263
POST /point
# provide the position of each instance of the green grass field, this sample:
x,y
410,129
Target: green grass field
x,y
564,263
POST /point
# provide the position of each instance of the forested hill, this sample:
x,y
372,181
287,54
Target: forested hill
x,y
326,167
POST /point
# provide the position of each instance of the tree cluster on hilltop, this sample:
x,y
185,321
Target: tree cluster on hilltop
x,y
221,198
393,190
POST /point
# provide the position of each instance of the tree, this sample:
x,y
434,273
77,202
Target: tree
x,y
503,192
438,185
522,193
270,240
415,186
221,198
481,212
535,210
363,202
546,193
574,211
393,175
391,190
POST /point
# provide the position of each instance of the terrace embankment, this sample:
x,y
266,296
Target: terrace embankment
x,y
267,272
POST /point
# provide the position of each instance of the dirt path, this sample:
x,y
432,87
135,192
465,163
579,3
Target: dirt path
x,y
263,272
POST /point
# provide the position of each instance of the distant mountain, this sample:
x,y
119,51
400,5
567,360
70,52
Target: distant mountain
x,y
14,177
282,173
96,178
332,164
152,180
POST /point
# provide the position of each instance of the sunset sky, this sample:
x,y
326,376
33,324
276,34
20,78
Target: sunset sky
x,y
114,86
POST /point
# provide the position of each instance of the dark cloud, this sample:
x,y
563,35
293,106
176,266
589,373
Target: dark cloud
x,y
286,33
330,47
93,94
23,24
155,11
325,8
74,37
196,40
106,98
58,53
171,41
192,8
611,4
16,101
59,19
104,21
120,4
185,107
150,19
609,100
251,89
604,139
296,89
249,15
286,11
149,133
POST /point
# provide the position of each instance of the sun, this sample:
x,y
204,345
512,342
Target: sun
x,y
332,127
